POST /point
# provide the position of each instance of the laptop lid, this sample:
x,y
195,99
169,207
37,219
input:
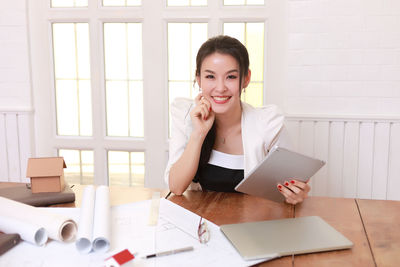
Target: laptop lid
x,y
280,165
257,240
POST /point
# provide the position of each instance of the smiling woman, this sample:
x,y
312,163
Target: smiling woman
x,y
223,138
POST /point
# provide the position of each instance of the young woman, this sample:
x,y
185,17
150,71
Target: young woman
x,y
217,139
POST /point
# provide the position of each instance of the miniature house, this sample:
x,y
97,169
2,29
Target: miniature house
x,y
47,174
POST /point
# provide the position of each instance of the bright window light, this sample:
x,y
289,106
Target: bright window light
x,y
124,79
72,78
251,34
126,168
80,167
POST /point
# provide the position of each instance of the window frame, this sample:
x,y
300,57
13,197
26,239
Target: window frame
x,y
154,17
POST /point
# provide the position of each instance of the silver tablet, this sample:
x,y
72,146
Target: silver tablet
x,y
279,166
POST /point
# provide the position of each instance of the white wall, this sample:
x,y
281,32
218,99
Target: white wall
x,y
14,60
16,129
343,57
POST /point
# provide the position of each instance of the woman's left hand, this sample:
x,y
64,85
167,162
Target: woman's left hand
x,y
294,191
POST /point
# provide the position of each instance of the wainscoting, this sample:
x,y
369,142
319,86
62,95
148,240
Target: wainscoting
x,y
362,155
15,145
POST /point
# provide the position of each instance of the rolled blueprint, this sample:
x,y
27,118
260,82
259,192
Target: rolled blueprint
x,y
102,225
29,232
85,229
94,223
58,227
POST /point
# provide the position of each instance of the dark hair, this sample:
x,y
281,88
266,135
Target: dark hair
x,y
222,44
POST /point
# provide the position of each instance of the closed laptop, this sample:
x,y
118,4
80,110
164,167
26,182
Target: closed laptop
x,y
264,239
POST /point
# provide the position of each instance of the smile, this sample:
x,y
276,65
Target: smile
x,y
221,99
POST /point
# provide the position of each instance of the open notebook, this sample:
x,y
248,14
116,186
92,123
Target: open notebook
x,y
257,240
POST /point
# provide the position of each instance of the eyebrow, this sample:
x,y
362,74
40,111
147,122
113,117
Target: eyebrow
x,y
210,71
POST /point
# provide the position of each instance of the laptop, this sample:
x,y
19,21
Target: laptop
x,y
265,239
279,165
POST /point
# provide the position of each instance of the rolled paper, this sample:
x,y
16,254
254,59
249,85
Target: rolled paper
x,y
28,232
102,225
85,226
57,226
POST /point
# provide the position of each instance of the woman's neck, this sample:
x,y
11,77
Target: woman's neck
x,y
228,120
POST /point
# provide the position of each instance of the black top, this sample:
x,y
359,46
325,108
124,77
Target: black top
x,y
216,178
222,173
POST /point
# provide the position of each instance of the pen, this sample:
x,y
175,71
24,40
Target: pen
x,y
169,252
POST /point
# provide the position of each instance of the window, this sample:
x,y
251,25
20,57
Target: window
x,y
124,79
80,167
251,34
72,78
109,69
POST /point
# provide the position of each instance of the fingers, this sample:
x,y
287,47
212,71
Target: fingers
x,y
294,191
197,99
203,107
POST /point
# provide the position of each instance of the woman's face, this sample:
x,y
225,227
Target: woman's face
x,y
219,81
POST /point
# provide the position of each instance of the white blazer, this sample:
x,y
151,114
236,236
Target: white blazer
x,y
261,129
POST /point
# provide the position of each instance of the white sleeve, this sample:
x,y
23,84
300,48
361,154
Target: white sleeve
x,y
180,131
283,139
271,122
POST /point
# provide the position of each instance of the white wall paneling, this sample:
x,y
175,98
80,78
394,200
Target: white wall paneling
x,y
362,154
15,145
393,184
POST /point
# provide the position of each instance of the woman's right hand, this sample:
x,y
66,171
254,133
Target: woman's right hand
x,y
202,115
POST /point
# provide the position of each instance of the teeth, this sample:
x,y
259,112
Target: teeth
x,y
221,98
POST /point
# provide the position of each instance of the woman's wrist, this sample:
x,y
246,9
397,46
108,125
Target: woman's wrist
x,y
198,136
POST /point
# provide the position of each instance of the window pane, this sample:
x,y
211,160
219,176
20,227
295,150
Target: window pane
x,y
184,40
117,108
255,44
85,108
72,78
124,79
253,94
243,2
126,168
115,46
122,2
136,109
234,2
80,167
252,36
187,3
64,51
67,107
69,3
179,56
255,2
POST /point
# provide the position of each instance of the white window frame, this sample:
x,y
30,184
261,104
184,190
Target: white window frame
x,y
154,16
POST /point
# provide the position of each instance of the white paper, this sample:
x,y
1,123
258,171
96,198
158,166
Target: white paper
x,y
101,230
85,227
176,228
27,231
58,227
94,222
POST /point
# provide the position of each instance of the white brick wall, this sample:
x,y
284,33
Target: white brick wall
x,y
343,57
14,58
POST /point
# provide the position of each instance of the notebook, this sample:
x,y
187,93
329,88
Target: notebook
x,y
265,239
279,166
23,194
8,241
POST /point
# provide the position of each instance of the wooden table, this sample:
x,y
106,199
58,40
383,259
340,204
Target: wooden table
x,y
372,225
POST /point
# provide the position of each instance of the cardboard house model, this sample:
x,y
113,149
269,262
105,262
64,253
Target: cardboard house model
x,y
47,174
